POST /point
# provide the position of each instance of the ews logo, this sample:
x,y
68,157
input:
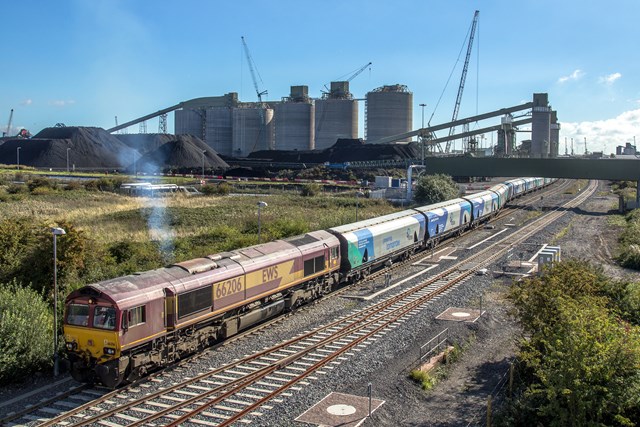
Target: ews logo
x,y
269,274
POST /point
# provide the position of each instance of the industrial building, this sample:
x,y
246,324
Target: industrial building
x,y
388,111
336,116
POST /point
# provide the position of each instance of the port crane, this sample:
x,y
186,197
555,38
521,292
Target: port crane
x,y
252,69
8,124
463,78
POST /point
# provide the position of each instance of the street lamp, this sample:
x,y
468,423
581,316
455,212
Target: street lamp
x,y
68,148
203,153
422,127
57,231
260,205
358,194
18,157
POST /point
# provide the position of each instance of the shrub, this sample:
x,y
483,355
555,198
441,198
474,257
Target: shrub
x,y
17,189
435,188
426,381
310,190
40,182
221,189
26,326
42,191
110,184
73,186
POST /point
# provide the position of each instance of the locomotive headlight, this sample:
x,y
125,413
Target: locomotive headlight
x,y
72,346
110,351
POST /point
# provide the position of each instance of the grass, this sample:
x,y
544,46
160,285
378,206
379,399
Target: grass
x,y
560,234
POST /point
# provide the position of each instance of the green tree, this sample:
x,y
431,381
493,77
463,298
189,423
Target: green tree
x,y
26,334
435,188
580,357
17,242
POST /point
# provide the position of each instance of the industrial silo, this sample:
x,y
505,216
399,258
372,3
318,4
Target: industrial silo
x,y
219,130
252,130
389,111
336,116
540,126
555,135
190,122
294,121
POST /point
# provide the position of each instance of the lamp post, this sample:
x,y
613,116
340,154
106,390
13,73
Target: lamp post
x,y
18,157
358,195
422,127
203,153
57,231
68,148
260,205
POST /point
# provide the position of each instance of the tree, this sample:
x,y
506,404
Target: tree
x,y
26,334
435,188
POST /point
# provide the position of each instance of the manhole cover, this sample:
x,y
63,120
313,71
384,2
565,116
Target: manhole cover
x,y
460,314
341,410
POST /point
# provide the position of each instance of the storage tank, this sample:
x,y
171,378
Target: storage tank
x,y
540,126
555,135
252,130
389,111
190,122
294,121
219,130
335,118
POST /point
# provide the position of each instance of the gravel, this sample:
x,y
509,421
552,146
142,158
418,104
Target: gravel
x,y
489,343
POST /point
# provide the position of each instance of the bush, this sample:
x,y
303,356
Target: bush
x,y
17,189
40,182
310,190
73,186
426,381
221,189
26,326
110,184
435,189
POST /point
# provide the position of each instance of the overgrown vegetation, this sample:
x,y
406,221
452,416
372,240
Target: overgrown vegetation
x,y
428,380
110,235
579,353
435,188
629,253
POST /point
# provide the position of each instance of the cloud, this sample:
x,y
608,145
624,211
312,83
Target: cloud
x,y
27,102
609,79
62,103
577,74
601,134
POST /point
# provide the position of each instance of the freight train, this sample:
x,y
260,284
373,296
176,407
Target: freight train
x,y
117,330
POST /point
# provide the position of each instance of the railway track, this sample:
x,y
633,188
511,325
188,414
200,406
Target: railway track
x,y
75,396
230,393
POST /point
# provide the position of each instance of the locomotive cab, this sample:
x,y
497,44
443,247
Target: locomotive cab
x,y
92,324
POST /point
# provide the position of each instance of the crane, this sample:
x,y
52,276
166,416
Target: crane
x,y
253,71
8,124
352,76
463,78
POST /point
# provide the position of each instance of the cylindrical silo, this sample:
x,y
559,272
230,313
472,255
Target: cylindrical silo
x,y
219,130
540,126
335,118
252,130
294,125
190,122
389,111
555,135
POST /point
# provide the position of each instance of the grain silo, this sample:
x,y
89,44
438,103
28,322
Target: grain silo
x,y
388,111
336,116
540,126
209,118
190,122
294,121
252,129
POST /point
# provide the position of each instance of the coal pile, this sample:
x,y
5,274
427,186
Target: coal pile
x,y
145,142
89,148
344,150
181,154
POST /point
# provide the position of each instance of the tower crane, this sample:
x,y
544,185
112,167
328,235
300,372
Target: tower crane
x,y
8,124
463,78
253,71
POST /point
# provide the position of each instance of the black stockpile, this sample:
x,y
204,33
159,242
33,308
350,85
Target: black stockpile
x,y
180,153
344,150
89,148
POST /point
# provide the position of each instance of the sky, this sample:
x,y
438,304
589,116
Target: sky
x,y
84,62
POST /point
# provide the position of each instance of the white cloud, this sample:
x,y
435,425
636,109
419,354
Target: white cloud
x,y
27,102
609,79
601,134
577,74
62,103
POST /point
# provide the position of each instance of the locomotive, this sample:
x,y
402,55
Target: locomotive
x,y
119,329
